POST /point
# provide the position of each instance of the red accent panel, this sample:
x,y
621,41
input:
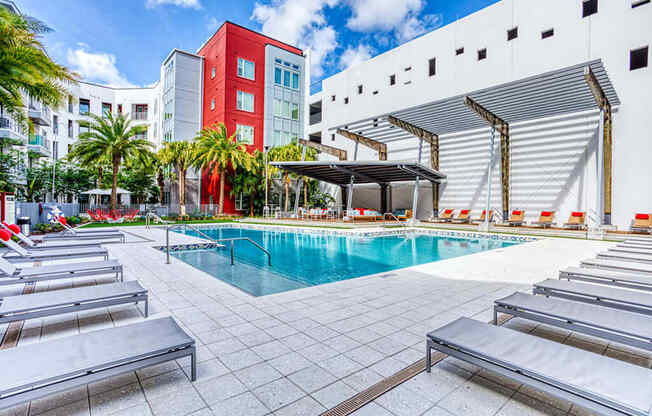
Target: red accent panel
x,y
221,52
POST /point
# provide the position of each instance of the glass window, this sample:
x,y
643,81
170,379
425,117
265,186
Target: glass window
x,y
213,104
295,111
84,106
245,134
83,129
285,138
278,74
246,68
106,109
277,138
278,107
213,73
286,109
295,80
286,78
245,101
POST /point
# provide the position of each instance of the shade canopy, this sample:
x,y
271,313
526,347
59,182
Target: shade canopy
x,y
554,93
105,191
380,172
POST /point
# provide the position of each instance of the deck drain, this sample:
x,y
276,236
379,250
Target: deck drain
x,y
366,396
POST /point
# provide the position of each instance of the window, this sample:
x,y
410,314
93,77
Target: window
x,y
83,129
70,129
106,109
141,135
547,33
70,105
637,3
332,98
278,74
286,79
139,112
295,80
589,7
638,58
459,51
286,109
482,54
295,111
278,107
245,134
55,124
346,100
359,89
392,79
512,34
212,72
333,137
213,104
84,106
246,69
119,108
432,66
245,101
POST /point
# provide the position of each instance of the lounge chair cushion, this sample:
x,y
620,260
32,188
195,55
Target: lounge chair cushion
x,y
577,214
516,212
448,211
465,212
546,213
399,212
642,216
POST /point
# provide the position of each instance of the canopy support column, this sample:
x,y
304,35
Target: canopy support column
x,y
415,197
504,171
299,183
489,177
383,198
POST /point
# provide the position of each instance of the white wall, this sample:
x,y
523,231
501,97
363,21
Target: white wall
x,y
553,161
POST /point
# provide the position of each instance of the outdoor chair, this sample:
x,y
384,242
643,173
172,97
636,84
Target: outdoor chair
x,y
618,266
33,245
77,299
545,219
626,256
403,214
577,220
464,216
70,233
599,383
445,216
21,255
607,277
642,223
42,369
483,216
11,275
516,219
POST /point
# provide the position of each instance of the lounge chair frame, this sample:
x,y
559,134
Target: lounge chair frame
x,y
607,277
589,326
38,305
101,369
549,385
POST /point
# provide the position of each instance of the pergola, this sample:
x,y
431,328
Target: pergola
x,y
346,173
573,89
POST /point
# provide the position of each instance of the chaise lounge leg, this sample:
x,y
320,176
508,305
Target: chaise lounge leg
x,y
147,308
193,364
428,359
495,316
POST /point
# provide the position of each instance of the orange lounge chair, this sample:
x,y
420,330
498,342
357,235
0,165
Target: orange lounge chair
x,y
402,214
483,217
446,216
463,217
545,219
576,220
642,223
516,219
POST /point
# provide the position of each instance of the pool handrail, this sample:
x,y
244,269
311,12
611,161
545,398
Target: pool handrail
x,y
217,241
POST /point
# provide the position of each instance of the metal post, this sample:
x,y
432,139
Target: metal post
x,y
349,199
266,178
415,196
489,177
299,183
167,244
600,178
355,151
232,253
54,176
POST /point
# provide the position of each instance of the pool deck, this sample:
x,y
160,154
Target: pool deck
x,y
305,351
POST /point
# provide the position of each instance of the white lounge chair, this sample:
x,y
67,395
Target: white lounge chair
x,y
12,275
33,245
72,233
608,277
21,255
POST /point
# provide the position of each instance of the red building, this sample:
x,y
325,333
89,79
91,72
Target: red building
x,y
241,67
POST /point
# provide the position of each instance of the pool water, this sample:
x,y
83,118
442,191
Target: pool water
x,y
305,259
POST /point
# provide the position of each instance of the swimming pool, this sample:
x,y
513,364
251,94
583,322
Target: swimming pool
x,y
308,259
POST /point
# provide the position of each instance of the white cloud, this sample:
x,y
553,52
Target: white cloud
x,y
355,56
194,4
96,67
301,23
398,16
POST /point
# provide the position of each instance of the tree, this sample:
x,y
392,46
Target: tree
x,y
218,151
291,152
25,67
112,138
247,182
181,155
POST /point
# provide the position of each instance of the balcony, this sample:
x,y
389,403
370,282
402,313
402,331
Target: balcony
x,y
315,119
39,113
141,115
12,130
39,144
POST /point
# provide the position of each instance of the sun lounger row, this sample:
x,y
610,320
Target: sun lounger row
x,y
576,303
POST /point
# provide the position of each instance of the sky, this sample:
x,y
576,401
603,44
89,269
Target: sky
x,y
124,42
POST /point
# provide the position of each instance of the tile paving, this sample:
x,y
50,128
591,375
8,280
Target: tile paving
x,y
301,352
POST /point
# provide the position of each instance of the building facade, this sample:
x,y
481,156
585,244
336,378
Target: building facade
x,y
554,163
255,86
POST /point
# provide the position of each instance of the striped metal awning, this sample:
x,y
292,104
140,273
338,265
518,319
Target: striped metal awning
x,y
554,93
380,172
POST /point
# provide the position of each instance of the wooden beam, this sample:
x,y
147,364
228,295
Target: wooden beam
x,y
504,163
322,148
596,89
429,137
487,115
434,163
381,148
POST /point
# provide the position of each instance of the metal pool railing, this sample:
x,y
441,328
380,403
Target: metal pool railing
x,y
204,235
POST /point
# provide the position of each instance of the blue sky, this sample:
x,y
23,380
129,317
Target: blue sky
x,y
123,42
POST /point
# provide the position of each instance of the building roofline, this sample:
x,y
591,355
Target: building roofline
x,y
179,51
119,88
249,30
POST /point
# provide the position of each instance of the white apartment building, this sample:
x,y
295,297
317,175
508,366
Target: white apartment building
x,y
554,162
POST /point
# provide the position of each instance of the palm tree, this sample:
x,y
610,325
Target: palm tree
x,y
291,152
111,138
25,67
218,151
182,156
247,181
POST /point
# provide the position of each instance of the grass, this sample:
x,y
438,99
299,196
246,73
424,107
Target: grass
x,y
142,223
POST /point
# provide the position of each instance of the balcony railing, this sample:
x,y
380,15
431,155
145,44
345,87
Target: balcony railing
x,y
10,124
141,115
315,118
38,140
